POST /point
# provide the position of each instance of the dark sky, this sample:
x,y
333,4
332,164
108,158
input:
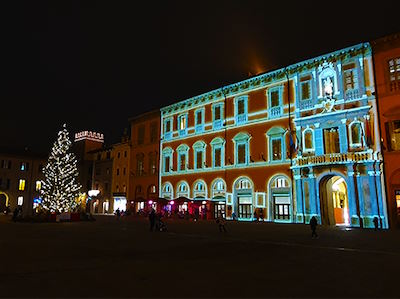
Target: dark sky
x,y
94,64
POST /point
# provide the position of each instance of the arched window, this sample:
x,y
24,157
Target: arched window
x,y
281,198
355,134
152,191
243,184
218,152
242,152
182,189
199,189
218,189
308,140
199,150
167,191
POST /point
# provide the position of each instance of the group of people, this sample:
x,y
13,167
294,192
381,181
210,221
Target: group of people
x,y
156,223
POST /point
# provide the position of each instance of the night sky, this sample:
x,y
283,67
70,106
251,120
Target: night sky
x,y
93,65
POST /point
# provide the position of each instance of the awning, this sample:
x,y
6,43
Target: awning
x,y
181,200
218,198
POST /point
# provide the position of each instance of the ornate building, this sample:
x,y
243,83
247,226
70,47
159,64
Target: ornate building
x,y
387,76
286,145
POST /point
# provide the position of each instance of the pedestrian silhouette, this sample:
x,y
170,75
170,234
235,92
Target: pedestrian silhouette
x,y
221,223
152,219
118,212
376,223
313,225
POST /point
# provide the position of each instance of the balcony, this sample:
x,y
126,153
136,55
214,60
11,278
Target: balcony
x,y
335,158
199,128
217,124
306,104
275,112
167,135
352,94
241,118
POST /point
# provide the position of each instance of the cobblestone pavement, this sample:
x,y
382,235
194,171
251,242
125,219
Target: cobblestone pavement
x,y
110,258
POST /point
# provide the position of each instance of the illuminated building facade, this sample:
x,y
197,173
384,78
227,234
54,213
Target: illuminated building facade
x,y
227,151
145,135
338,168
102,202
387,77
286,145
20,180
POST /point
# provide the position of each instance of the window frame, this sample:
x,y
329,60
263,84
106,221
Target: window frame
x,y
218,123
241,118
276,111
182,132
199,128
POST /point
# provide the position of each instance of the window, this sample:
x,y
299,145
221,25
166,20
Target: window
x,y
153,132
168,128
241,110
152,163
167,159
276,144
182,157
305,90
277,149
140,139
20,200
119,155
21,185
140,164
199,154
124,171
275,102
24,166
38,185
125,154
355,134
167,191
117,171
308,140
280,192
393,133
350,80
6,164
183,190
241,148
108,155
199,120
218,157
200,189
331,140
241,141
217,116
182,124
394,74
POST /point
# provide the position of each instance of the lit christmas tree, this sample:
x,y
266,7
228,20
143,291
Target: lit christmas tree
x,y
60,187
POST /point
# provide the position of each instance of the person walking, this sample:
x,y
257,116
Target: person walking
x,y
313,225
221,223
118,213
152,219
376,223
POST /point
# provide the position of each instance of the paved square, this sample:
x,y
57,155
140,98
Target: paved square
x,y
110,258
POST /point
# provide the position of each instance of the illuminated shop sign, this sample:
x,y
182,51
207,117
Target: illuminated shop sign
x,y
88,135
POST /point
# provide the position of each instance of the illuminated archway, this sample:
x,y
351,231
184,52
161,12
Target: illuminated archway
x,y
243,198
334,203
4,201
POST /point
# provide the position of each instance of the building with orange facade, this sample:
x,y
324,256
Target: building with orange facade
x,y
227,151
386,53
121,176
145,135
284,146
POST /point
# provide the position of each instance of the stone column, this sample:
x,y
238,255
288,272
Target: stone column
x,y
351,196
299,197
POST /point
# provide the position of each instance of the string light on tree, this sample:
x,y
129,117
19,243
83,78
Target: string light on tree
x,y
60,187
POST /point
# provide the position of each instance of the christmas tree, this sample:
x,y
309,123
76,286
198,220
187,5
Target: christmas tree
x,y
60,187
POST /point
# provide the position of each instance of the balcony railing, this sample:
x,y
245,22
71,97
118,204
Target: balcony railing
x,y
275,112
306,104
335,158
241,118
352,94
